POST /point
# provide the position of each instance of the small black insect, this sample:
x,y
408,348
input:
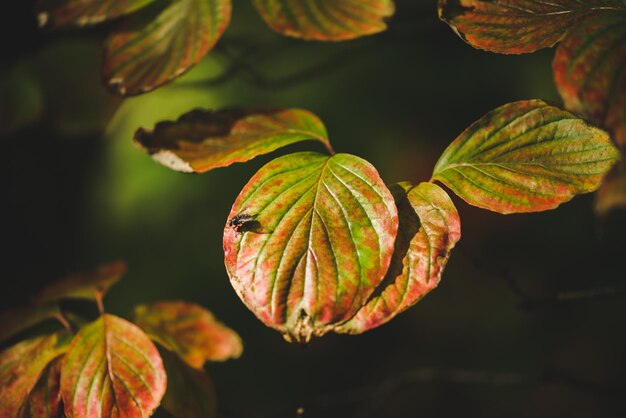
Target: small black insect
x,y
244,222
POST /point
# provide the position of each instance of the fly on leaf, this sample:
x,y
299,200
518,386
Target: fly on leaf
x,y
245,222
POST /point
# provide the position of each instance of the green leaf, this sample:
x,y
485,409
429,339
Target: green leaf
x,y
90,286
526,156
612,193
202,140
518,26
589,71
151,49
45,399
16,320
326,20
189,330
190,392
21,367
429,229
112,369
308,240
59,13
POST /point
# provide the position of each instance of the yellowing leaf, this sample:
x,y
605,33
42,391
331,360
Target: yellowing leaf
x,y
89,286
308,240
21,367
112,369
150,49
518,26
429,229
202,140
589,71
190,392
325,20
526,156
57,13
190,331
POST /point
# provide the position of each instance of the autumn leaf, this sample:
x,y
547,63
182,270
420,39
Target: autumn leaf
x,y
16,320
189,330
526,156
429,229
316,238
58,13
21,367
190,392
202,140
91,286
111,369
325,20
518,26
157,45
589,71
45,399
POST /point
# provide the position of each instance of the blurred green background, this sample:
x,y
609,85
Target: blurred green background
x,y
77,193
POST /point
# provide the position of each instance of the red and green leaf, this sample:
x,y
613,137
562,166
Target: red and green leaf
x,y
90,286
21,368
58,13
45,399
518,26
201,140
326,20
429,229
190,331
590,71
112,369
526,156
150,49
315,239
14,321
190,392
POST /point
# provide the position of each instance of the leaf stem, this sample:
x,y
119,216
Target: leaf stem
x,y
64,321
99,302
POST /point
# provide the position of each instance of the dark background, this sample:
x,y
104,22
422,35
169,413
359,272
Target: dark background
x,y
498,338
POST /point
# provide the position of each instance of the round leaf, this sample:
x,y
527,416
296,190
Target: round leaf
x,y
21,367
190,331
202,140
112,369
429,229
325,20
152,48
526,156
57,13
308,240
517,26
589,71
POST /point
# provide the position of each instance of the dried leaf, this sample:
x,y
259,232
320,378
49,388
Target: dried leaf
x,y
89,286
526,156
589,71
58,13
151,49
202,140
518,26
22,366
308,240
112,369
189,330
429,229
326,20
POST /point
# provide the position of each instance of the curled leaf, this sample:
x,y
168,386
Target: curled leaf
x,y
429,229
526,156
190,392
518,26
58,13
189,330
89,286
45,399
314,238
326,20
21,367
112,369
17,320
152,48
589,71
202,140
